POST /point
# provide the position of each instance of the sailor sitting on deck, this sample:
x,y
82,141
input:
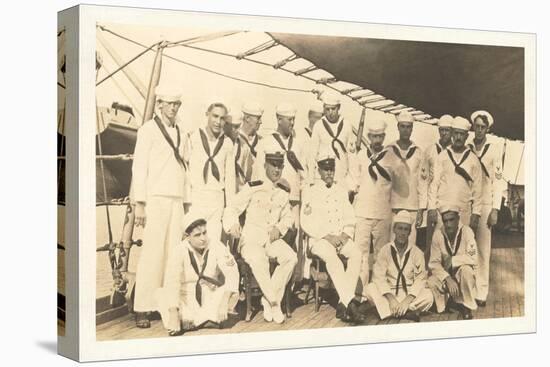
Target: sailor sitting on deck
x,y
399,286
453,263
201,283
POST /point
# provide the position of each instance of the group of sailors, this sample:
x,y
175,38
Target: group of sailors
x,y
310,192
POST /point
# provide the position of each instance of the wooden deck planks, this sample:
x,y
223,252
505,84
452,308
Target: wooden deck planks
x,y
505,300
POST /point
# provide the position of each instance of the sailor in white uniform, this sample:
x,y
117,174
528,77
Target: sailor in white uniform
x,y
328,219
453,263
159,186
332,135
399,287
248,140
202,281
211,169
372,171
268,218
493,185
444,125
410,186
457,179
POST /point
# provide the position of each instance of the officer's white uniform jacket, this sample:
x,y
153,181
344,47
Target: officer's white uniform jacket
x,y
224,161
181,280
293,176
155,171
450,188
266,204
448,256
493,183
322,146
387,275
373,189
410,186
326,210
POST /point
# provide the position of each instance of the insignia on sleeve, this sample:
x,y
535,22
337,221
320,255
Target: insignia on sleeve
x,y
307,209
472,248
255,183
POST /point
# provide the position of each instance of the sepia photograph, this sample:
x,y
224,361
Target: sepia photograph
x,y
251,181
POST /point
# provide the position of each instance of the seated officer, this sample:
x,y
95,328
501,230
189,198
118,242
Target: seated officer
x,y
328,219
399,286
453,263
268,218
201,281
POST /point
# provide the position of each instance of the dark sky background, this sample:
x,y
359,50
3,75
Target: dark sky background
x,y
437,78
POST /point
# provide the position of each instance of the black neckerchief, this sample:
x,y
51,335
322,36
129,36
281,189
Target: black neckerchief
x,y
210,161
170,142
253,145
480,157
200,274
308,131
438,148
290,155
459,170
238,169
335,136
400,276
374,159
410,152
457,241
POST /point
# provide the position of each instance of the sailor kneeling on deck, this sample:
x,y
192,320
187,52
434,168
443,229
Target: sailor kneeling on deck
x,y
399,287
453,263
268,219
201,281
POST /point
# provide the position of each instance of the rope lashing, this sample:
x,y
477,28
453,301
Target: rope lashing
x,y
305,70
263,47
280,64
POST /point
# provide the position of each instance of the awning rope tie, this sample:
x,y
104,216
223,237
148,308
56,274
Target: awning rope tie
x,y
351,90
282,63
327,80
263,47
305,70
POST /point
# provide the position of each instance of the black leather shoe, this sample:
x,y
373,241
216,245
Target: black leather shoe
x,y
466,313
355,315
481,303
341,311
412,316
142,321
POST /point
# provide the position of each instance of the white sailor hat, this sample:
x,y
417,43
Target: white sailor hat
x,y
377,126
405,117
286,109
252,108
403,216
330,99
189,219
448,208
445,121
167,94
461,123
480,113
231,116
316,106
